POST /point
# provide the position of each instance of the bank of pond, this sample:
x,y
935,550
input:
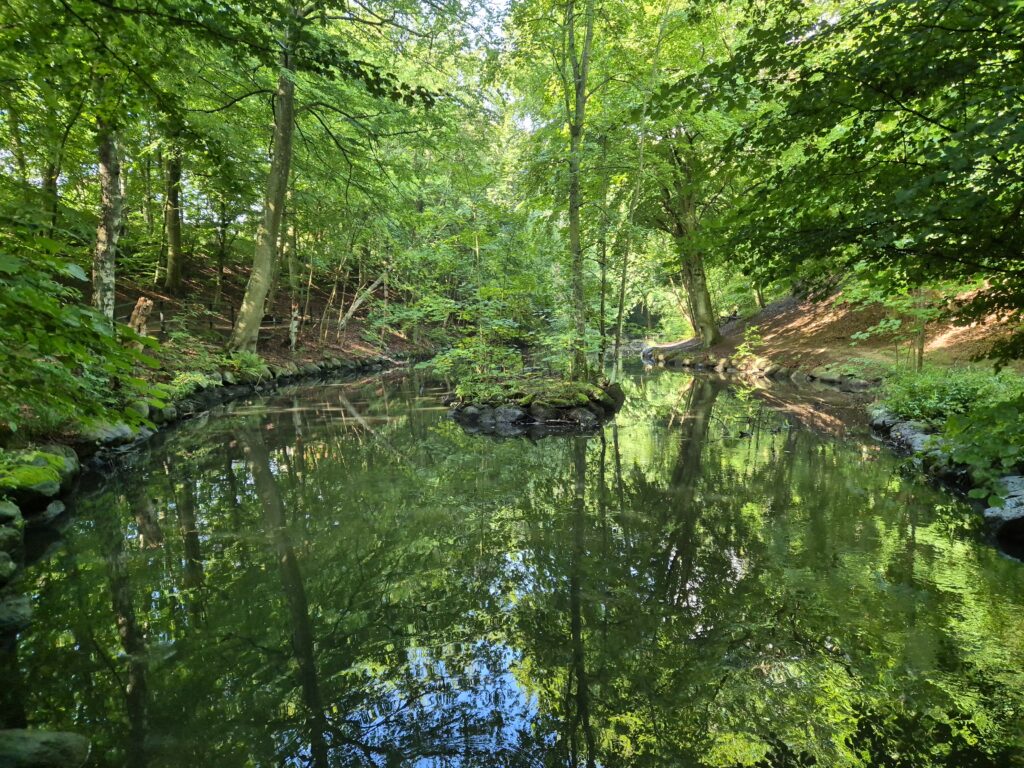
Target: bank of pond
x,y
340,574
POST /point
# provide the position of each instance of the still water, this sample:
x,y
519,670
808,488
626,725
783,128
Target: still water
x,y
339,576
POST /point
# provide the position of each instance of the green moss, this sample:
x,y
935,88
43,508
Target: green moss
x,y
527,390
29,469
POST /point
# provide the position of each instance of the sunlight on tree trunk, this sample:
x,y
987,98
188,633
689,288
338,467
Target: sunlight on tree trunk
x,y
172,222
250,314
109,228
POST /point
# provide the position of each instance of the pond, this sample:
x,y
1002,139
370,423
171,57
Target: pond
x,y
338,575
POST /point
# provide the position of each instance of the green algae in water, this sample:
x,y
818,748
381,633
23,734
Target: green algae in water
x,y
340,576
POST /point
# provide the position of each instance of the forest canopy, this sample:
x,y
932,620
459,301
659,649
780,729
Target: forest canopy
x,y
478,178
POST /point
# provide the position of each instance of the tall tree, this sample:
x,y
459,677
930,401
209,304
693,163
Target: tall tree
x,y
576,95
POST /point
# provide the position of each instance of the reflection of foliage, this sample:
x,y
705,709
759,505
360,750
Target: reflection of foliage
x,y
653,596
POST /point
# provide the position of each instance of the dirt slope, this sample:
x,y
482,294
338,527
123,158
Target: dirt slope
x,y
805,334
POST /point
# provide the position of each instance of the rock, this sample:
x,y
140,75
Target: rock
x,y
53,511
140,408
854,385
509,414
15,616
582,417
278,372
1014,485
7,568
540,412
265,373
9,513
782,373
469,413
882,417
486,418
771,370
42,749
911,434
230,378
824,374
69,466
169,413
799,377
292,368
616,394
110,434
12,541
31,484
1012,509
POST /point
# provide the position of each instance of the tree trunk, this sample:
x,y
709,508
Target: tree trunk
x,y
576,116
620,314
109,228
51,196
172,222
250,314
696,282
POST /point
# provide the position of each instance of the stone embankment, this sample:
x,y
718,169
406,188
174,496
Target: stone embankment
x,y
932,455
751,365
927,448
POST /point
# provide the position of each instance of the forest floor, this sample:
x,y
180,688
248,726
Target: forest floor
x,y
805,334
197,323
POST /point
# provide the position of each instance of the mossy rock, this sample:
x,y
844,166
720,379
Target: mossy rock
x,y
42,749
138,408
10,514
12,541
32,477
537,402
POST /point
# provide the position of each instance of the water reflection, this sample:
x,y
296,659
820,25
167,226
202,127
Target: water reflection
x,y
341,577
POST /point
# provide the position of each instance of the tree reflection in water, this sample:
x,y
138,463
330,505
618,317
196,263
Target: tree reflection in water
x,y
341,577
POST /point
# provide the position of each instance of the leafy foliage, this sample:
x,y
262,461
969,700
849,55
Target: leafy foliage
x,y
937,393
989,440
60,360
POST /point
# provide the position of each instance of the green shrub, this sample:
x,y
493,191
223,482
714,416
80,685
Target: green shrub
x,y
61,361
935,394
187,382
473,360
752,341
989,440
243,361
980,415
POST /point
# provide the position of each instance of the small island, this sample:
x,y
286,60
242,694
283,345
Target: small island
x,y
534,406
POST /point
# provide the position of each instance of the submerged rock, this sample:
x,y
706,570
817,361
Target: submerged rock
x,y
22,748
15,615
